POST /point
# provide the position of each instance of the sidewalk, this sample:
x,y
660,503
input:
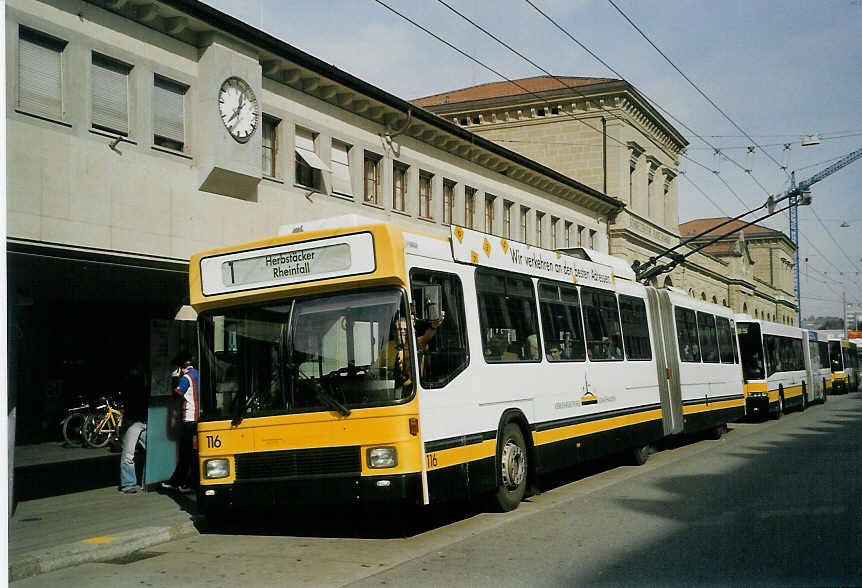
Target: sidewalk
x,y
49,532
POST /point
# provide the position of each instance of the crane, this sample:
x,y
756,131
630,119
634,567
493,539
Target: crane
x,y
801,194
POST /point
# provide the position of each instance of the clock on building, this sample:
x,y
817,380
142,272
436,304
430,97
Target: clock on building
x,y
238,108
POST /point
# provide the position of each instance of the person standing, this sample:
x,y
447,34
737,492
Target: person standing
x,y
185,474
135,420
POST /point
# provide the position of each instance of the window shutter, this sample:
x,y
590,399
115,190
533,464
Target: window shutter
x,y
168,112
341,169
305,149
39,75
110,95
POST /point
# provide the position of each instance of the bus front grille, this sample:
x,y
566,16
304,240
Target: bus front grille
x,y
297,463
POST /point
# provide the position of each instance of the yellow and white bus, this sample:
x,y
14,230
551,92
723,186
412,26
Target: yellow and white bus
x,y
844,361
773,366
359,362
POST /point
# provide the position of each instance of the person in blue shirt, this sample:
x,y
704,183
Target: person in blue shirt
x,y
185,476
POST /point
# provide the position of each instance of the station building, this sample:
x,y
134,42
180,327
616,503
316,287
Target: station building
x,y
139,133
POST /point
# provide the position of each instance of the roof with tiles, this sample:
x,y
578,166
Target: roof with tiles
x,y
700,225
506,89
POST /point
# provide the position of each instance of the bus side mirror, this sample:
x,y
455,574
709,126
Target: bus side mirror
x,y
426,302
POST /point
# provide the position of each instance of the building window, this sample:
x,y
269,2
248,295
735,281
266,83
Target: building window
x,y
469,206
448,201
489,214
632,167
540,217
110,87
650,184
269,146
425,194
399,186
308,164
592,239
581,230
523,223
507,220
169,113
40,76
568,234
341,183
554,224
372,178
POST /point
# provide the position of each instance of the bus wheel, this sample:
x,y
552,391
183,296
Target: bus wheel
x,y
716,432
513,468
640,455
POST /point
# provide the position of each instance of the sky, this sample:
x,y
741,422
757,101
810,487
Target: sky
x,y
767,73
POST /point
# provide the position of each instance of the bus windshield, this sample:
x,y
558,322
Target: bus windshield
x,y
332,353
835,356
751,351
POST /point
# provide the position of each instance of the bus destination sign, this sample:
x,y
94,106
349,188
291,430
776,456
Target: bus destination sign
x,y
481,249
288,264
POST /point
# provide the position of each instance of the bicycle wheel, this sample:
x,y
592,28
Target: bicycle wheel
x,y
94,432
73,428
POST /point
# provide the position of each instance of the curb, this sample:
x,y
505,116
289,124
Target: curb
x,y
119,545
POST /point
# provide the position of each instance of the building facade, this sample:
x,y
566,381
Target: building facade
x,y
139,133
605,133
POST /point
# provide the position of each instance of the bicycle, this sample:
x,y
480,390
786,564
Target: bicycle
x,y
99,428
73,424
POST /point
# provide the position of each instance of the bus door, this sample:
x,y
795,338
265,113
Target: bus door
x,y
667,367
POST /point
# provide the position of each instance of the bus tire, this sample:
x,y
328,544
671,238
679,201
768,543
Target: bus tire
x,y
716,432
512,464
640,455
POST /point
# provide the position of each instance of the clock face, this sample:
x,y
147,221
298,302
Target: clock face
x,y
238,108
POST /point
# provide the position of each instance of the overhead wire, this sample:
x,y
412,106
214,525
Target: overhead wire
x,y
651,100
514,82
695,86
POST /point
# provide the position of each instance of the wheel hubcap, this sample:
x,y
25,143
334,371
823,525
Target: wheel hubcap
x,y
514,465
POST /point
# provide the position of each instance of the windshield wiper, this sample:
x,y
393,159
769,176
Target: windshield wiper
x,y
240,409
327,398
330,400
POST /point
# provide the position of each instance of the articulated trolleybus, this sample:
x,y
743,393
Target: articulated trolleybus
x,y
370,364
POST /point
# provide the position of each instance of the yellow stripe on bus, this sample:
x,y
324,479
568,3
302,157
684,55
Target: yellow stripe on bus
x,y
597,426
695,408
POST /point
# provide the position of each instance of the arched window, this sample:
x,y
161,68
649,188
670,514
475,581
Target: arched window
x,y
769,316
724,301
756,315
714,300
745,308
691,293
668,282
703,296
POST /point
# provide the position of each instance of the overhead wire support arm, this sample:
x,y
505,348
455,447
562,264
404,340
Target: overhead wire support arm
x,y
643,270
643,276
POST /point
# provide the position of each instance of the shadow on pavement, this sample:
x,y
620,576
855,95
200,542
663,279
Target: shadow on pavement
x,y
776,519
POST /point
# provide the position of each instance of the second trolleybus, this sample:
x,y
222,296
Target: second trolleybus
x,y
360,362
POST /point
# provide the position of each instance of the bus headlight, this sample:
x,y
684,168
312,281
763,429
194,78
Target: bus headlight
x,y
382,457
216,468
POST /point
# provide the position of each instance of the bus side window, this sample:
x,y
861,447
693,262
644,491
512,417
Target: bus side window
x,y
447,353
602,325
508,318
635,328
686,333
725,340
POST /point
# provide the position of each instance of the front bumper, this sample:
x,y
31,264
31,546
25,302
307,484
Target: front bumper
x,y
757,405
258,493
